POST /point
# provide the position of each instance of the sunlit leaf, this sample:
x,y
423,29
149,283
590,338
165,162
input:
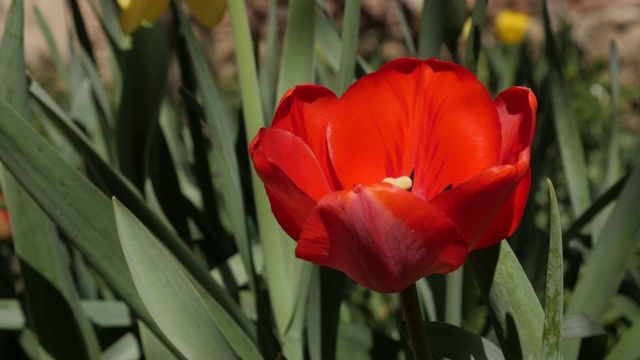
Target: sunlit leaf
x,y
554,303
185,318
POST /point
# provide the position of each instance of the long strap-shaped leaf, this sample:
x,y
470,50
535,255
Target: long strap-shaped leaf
x,y
70,200
185,319
50,292
555,286
515,311
219,120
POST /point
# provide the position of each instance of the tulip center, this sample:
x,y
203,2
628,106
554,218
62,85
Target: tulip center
x,y
403,182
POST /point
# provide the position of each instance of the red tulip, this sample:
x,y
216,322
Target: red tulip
x,y
5,224
405,174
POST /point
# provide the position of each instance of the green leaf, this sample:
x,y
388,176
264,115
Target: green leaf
x,y
50,292
107,313
580,326
184,319
70,200
144,73
406,30
297,54
11,315
475,35
517,316
219,120
350,32
555,286
359,342
269,67
613,171
456,343
431,29
607,263
124,348
285,273
323,308
454,297
595,208
567,130
628,347
51,43
123,189
152,347
110,20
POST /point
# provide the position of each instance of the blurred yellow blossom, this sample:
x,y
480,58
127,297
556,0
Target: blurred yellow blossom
x,y
511,26
135,12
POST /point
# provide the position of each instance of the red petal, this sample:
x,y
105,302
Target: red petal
x,y
431,116
517,108
290,172
381,236
305,111
508,218
284,217
474,205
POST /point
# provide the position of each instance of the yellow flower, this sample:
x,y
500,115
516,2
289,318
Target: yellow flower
x,y
135,12
511,26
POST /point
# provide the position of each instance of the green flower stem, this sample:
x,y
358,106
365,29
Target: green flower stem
x,y
415,325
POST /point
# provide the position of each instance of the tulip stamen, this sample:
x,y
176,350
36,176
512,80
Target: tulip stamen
x,y
403,182
449,187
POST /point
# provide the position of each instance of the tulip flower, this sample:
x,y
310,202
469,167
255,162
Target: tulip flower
x,y
5,224
405,174
511,26
135,12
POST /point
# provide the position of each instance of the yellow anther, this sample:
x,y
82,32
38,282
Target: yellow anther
x,y
403,182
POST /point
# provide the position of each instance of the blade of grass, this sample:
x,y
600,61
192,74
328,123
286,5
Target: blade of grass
x,y
555,289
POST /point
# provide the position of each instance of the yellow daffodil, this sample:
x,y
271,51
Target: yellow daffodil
x,y
511,26
135,12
